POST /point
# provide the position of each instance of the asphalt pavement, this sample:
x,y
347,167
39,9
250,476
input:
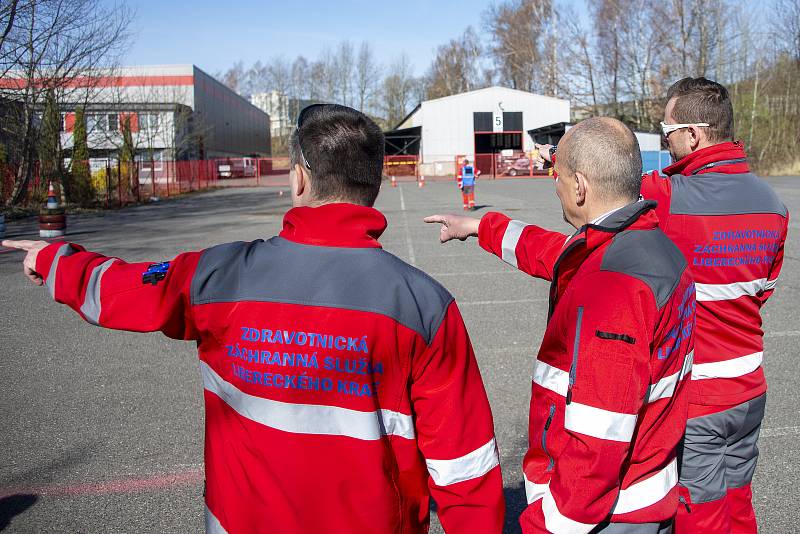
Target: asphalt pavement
x,y
102,431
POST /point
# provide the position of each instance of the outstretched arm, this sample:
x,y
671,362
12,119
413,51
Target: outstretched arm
x,y
109,292
527,247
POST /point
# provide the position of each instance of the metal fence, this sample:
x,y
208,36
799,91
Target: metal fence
x,y
117,183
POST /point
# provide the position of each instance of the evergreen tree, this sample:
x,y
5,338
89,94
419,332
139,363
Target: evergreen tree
x,y
80,188
126,157
3,171
50,145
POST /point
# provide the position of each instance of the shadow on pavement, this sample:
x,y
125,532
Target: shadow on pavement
x,y
13,506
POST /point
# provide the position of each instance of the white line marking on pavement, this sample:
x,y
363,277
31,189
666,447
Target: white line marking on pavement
x,y
784,333
486,302
411,258
780,431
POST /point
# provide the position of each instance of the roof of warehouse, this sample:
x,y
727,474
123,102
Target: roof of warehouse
x,y
494,88
461,95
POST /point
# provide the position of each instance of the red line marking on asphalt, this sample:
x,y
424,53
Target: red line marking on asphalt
x,y
124,485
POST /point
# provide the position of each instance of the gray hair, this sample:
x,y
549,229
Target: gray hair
x,y
606,151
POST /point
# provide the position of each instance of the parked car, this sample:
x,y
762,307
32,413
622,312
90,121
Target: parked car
x,y
237,167
514,166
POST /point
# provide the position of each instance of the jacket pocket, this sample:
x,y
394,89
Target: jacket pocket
x,y
550,460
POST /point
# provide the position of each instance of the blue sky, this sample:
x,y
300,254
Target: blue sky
x,y
213,35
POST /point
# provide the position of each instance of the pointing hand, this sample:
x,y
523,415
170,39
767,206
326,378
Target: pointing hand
x,y
29,263
455,226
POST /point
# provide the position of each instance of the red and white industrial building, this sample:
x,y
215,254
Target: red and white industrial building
x,y
175,112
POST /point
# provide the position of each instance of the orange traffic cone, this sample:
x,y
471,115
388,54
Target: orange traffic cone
x,y
394,181
52,219
421,182
52,201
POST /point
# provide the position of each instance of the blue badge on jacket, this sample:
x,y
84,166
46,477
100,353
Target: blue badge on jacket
x,y
155,273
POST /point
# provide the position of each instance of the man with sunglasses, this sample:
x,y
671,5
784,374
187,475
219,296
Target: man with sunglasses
x,y
341,388
610,383
731,227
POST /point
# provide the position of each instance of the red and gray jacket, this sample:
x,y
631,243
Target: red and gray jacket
x,y
731,227
609,393
341,388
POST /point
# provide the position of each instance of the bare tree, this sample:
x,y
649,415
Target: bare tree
x,y
580,60
54,44
398,86
788,21
519,32
455,67
367,74
300,74
8,14
344,73
256,80
642,42
608,15
234,77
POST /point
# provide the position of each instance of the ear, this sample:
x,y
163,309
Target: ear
x,y
696,137
581,187
301,179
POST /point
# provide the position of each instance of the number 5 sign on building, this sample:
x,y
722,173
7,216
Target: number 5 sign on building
x,y
497,121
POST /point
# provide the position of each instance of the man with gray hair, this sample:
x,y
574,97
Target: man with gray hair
x,y
732,228
609,392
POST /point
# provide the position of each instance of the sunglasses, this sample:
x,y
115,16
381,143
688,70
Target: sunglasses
x,y
300,119
667,129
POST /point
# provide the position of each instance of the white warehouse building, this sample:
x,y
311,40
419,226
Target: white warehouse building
x,y
492,127
485,121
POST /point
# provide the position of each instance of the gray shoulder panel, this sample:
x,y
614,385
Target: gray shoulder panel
x,y
650,256
715,193
364,279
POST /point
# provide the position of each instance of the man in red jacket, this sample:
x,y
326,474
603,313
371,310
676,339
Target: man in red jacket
x,y
341,388
731,227
610,383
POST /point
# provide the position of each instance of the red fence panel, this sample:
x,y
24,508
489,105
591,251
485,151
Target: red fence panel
x,y
401,168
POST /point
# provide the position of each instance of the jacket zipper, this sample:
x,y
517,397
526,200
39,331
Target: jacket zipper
x,y
684,503
573,369
551,461
554,283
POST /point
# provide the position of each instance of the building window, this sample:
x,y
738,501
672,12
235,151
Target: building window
x,y
149,121
113,122
96,123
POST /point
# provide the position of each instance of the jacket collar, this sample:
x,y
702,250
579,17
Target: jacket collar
x,y
334,225
639,215
625,216
701,161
